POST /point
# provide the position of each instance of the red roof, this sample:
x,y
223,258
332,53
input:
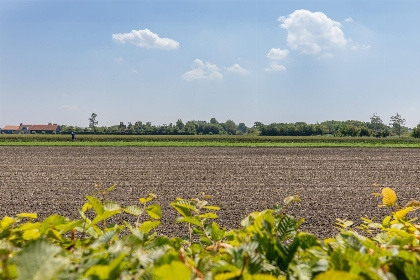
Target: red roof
x,y
43,127
10,127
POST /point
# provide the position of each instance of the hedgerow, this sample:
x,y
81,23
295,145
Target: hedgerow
x,y
268,245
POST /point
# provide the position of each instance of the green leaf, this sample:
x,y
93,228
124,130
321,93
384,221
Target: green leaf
x,y
104,238
375,225
263,217
27,215
103,216
263,277
209,216
227,275
52,222
186,204
212,208
28,226
334,275
134,210
109,189
184,211
154,211
286,227
191,220
40,260
173,271
96,205
134,231
216,233
148,226
67,227
86,206
142,200
111,206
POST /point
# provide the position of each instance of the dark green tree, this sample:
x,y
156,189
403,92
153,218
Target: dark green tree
x,y
214,121
179,124
242,127
416,131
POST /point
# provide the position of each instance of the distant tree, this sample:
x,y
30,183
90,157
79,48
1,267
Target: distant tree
x,y
191,128
213,121
242,127
230,127
93,122
258,124
179,124
376,120
416,131
397,122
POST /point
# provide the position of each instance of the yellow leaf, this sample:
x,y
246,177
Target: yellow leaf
x,y
7,222
389,197
31,234
401,214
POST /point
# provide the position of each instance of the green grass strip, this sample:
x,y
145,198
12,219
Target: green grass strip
x,y
212,144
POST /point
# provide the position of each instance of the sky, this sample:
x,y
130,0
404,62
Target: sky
x,y
248,61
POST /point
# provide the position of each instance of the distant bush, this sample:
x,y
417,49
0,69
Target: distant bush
x,y
416,131
268,245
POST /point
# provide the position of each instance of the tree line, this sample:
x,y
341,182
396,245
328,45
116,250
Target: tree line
x,y
353,128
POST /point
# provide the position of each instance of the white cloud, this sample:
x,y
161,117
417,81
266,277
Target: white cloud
x,y
202,71
237,69
119,59
70,107
275,67
311,33
277,54
134,71
359,47
348,20
145,39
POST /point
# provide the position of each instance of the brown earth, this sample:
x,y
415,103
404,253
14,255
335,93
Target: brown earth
x,y
332,182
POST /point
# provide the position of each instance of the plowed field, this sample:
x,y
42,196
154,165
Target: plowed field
x,y
332,182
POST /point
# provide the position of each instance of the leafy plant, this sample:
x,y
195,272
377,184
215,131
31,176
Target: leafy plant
x,y
268,245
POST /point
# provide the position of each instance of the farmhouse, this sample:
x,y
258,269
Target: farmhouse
x,y
31,128
10,129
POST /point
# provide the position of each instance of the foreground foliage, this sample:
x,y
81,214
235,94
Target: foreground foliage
x,y
268,245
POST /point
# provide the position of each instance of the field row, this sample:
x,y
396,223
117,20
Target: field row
x,y
332,182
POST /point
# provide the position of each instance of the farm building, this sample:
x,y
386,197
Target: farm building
x,y
31,128
10,129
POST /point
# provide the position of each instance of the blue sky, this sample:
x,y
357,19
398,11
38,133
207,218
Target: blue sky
x,y
157,61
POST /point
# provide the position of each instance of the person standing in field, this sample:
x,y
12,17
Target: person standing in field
x,y
73,135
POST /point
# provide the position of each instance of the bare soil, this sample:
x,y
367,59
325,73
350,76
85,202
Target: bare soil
x,y
332,182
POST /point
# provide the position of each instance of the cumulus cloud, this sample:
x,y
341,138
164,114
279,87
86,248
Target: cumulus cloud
x,y
70,107
145,39
348,20
237,69
312,33
275,67
277,54
208,71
